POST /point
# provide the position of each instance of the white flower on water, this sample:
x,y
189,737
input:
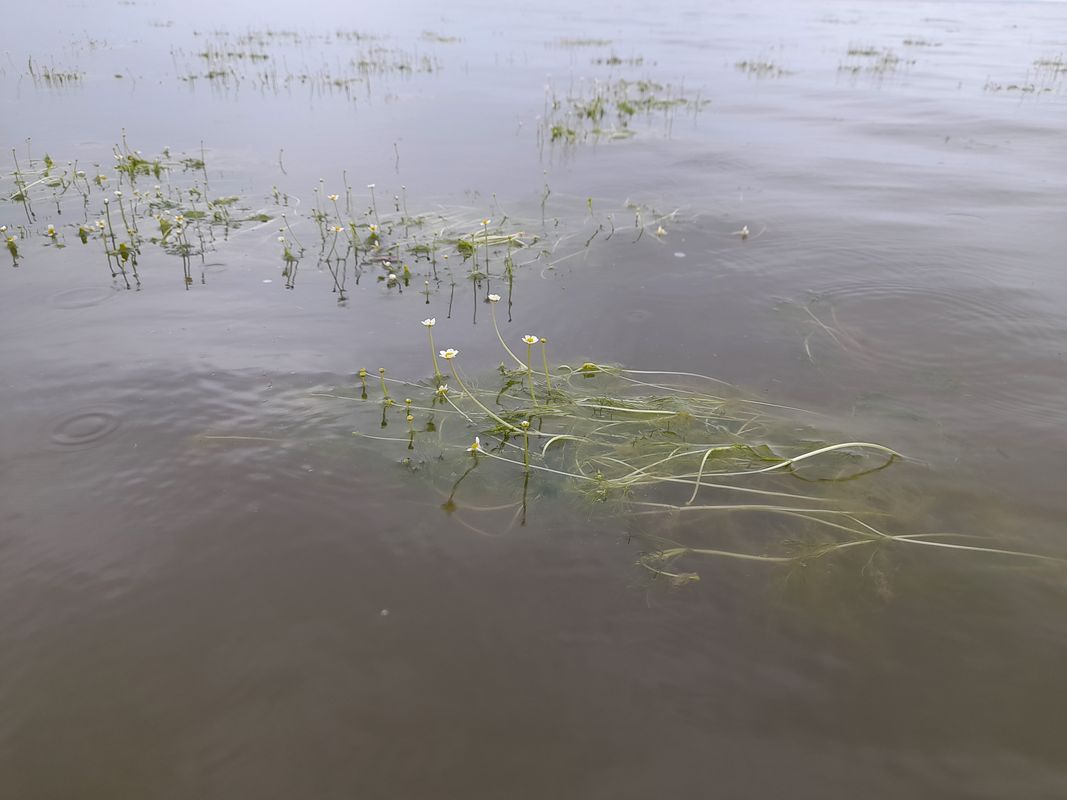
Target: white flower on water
x,y
442,390
476,447
449,354
743,233
370,185
51,231
661,231
529,339
392,277
332,197
485,222
281,239
493,298
429,323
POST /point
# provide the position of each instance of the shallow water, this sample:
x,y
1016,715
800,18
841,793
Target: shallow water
x,y
209,587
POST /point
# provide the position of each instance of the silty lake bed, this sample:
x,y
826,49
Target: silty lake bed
x,y
850,212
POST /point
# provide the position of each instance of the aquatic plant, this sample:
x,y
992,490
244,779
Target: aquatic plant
x,y
605,109
678,450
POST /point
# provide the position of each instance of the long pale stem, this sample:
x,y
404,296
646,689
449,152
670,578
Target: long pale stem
x,y
492,315
433,353
478,402
544,361
529,370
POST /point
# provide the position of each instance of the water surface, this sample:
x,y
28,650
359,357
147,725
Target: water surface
x,y
209,587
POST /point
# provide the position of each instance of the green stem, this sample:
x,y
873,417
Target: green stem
x,y
529,371
492,314
544,360
478,402
433,354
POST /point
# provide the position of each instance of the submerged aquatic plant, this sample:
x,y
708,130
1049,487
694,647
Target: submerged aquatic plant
x,y
680,451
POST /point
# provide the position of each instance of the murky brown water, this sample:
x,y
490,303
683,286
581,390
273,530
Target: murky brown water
x,y
209,588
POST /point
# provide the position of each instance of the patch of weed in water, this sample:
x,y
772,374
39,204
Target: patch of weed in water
x,y
140,203
762,69
607,109
680,453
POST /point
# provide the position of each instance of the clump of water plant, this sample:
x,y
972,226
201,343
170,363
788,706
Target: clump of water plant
x,y
761,68
124,206
134,205
872,60
260,59
679,451
607,109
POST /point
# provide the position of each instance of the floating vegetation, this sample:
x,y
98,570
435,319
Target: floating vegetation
x,y
136,202
141,204
606,109
52,76
439,38
762,69
618,61
873,61
681,452
1054,64
1021,88
1046,76
273,61
572,42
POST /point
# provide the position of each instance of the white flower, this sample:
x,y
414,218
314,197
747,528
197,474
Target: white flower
x,y
743,232
392,277
524,424
281,239
51,230
449,354
485,222
370,185
118,193
332,197
661,231
337,229
529,339
442,390
3,228
429,323
493,298
373,228
476,447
